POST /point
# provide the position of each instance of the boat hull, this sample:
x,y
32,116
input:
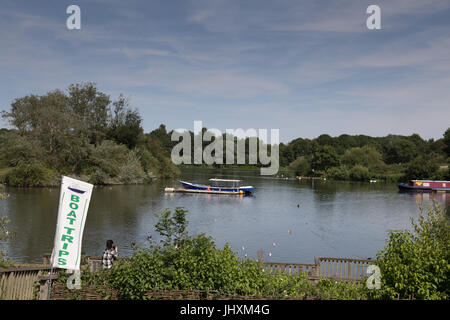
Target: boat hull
x,y
406,187
195,186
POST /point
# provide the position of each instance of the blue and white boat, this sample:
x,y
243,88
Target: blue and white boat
x,y
221,185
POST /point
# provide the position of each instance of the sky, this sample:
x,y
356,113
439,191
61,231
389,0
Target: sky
x,y
304,67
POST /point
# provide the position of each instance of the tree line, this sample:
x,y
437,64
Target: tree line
x,y
350,157
81,132
363,158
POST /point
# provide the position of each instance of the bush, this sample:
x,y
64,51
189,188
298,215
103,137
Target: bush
x,y
366,156
108,157
99,177
417,264
32,175
421,168
301,166
339,173
18,150
359,173
131,171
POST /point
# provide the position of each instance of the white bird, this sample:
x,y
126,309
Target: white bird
x,y
274,244
243,248
270,254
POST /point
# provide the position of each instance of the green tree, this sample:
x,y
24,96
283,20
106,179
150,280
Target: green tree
x,y
172,227
447,142
301,166
125,126
324,157
16,149
91,108
339,173
366,156
359,173
399,150
421,168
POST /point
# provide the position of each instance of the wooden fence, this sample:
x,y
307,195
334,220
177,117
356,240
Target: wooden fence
x,y
291,268
342,268
21,283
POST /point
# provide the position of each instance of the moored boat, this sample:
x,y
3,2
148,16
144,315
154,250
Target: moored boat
x,y
425,185
219,185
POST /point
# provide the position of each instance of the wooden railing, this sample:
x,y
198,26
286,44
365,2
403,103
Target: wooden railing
x,y
19,283
342,268
290,268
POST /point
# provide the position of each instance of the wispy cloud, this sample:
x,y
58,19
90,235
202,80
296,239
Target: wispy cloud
x,y
306,67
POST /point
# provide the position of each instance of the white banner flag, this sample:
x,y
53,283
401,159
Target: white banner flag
x,y
73,207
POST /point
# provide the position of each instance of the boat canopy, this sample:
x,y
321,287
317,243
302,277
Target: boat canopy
x,y
224,180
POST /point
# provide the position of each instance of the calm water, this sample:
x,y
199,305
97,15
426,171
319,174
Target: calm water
x,y
334,219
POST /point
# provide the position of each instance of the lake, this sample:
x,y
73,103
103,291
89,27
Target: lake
x,y
291,220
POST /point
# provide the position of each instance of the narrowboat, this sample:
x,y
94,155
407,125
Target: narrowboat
x,y
425,185
221,185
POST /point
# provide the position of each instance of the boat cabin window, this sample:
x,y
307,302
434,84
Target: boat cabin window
x,y
225,183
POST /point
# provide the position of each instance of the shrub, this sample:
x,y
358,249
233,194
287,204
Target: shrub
x,y
366,156
359,173
98,177
32,175
131,171
421,168
339,173
108,156
417,264
301,166
17,150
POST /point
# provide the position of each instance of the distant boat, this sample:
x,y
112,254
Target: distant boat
x,y
425,185
225,185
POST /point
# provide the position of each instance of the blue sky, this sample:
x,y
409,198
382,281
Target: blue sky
x,y
304,67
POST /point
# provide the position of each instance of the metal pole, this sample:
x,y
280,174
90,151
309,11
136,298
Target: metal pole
x,y
51,276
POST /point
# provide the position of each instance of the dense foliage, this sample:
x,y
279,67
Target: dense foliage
x,y
82,133
417,264
363,158
358,158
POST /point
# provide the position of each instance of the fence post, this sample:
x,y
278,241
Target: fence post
x,y
349,276
44,284
318,271
43,288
